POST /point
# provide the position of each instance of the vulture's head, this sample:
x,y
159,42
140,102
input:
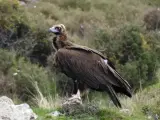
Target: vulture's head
x,y
58,29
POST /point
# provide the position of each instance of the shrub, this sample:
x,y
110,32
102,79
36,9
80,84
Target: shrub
x,y
152,19
19,77
133,53
22,33
84,5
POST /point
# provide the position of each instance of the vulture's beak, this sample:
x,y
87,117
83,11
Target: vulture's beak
x,y
53,30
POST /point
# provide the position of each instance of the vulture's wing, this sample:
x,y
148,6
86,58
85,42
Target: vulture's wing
x,y
84,48
109,63
93,70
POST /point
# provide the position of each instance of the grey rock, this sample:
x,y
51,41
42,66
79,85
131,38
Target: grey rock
x,y
9,111
22,3
6,100
55,113
126,111
72,104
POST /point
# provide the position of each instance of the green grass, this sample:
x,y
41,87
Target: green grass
x,y
103,114
138,105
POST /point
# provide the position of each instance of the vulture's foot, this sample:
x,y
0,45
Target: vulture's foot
x,y
73,104
76,96
75,99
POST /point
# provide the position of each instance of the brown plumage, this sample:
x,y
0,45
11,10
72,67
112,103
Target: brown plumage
x,y
88,67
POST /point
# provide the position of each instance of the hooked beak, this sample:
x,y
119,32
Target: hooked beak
x,y
53,30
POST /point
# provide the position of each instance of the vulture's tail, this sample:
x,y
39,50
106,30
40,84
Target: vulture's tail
x,y
124,85
113,96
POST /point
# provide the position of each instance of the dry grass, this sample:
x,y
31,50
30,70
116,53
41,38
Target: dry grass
x,y
46,102
148,98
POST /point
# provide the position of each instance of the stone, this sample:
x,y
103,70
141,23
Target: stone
x,y
72,104
55,113
10,111
126,111
22,3
7,100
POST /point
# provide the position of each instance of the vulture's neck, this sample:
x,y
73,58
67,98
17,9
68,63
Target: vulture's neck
x,y
60,41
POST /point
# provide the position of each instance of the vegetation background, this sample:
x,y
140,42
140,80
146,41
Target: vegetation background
x,y
126,31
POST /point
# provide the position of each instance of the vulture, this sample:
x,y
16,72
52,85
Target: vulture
x,y
87,67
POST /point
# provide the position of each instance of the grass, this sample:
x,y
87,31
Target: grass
x,y
104,27
139,105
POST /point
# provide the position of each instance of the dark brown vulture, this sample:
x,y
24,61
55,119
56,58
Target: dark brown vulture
x,y
87,67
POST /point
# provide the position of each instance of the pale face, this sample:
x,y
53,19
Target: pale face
x,y
57,29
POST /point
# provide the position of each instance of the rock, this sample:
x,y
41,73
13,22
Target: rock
x,y
22,3
126,111
9,111
7,100
28,1
55,114
72,104
156,117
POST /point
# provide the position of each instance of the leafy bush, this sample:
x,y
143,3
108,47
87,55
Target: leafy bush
x,y
23,34
136,58
152,19
20,76
153,2
84,5
8,13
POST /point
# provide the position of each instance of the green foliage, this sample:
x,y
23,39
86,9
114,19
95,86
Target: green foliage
x,y
109,115
23,32
136,58
20,77
9,16
109,26
154,2
84,5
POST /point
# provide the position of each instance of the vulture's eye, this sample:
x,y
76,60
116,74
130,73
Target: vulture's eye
x,y
55,29
58,28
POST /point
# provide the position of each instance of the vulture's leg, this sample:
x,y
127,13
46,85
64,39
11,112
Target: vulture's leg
x,y
77,95
75,89
84,91
81,90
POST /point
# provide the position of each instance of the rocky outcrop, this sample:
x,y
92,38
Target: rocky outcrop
x,y
152,19
72,104
24,2
10,111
